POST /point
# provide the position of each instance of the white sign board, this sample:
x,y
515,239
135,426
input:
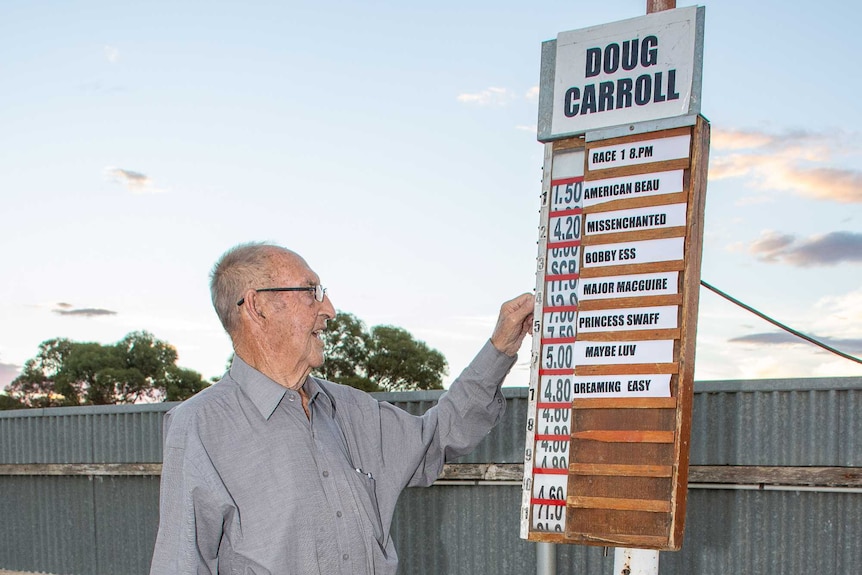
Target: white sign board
x,y
635,219
595,386
634,285
642,252
635,70
643,152
620,352
639,185
624,319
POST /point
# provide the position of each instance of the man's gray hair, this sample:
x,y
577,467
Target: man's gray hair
x,y
242,267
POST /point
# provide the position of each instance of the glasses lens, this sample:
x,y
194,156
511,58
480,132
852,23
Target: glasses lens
x,y
319,292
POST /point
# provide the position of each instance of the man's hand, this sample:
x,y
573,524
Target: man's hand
x,y
515,321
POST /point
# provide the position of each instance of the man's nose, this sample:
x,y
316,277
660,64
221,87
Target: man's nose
x,y
327,308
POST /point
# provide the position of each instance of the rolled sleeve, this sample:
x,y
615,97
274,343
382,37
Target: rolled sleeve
x,y
465,414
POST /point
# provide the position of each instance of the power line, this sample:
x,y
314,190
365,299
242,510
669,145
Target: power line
x,y
781,325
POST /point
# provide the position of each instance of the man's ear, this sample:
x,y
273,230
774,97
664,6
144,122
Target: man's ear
x,y
250,309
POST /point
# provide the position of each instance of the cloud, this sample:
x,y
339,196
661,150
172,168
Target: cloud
x,y
112,54
839,316
737,140
531,129
847,345
135,182
792,161
725,139
8,372
489,97
68,309
827,183
767,352
532,94
822,250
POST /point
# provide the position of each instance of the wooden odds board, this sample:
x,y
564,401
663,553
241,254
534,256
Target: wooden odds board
x,y
618,274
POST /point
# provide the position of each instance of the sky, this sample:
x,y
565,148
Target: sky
x,y
393,145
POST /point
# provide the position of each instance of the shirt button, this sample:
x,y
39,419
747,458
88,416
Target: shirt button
x,y
345,556
291,398
338,513
326,474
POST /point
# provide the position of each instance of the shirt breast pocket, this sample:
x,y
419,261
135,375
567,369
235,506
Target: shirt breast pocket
x,y
365,490
244,566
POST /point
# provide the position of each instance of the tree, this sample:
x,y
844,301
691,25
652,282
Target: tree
x,y
398,362
386,358
137,368
7,402
346,347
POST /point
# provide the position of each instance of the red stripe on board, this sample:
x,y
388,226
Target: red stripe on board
x,y
567,371
558,340
564,181
562,277
568,212
550,471
568,244
557,502
554,437
553,308
553,405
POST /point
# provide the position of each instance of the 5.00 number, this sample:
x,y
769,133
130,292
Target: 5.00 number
x,y
563,358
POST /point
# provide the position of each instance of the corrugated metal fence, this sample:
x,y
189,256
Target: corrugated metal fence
x,y
79,489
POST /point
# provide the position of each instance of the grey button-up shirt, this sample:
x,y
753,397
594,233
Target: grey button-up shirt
x,y
250,485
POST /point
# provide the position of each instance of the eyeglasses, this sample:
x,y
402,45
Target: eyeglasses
x,y
319,291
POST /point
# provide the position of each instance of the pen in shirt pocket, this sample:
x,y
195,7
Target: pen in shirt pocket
x,y
368,475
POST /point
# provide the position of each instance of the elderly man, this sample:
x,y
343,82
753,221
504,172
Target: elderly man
x,y
273,471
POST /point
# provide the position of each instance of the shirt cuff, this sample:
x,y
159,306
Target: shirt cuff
x,y
492,364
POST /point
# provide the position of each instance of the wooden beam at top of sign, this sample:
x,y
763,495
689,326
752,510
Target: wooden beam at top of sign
x,y
634,236
627,369
621,470
652,267
621,303
645,202
624,436
618,503
624,403
671,133
569,143
666,166
646,334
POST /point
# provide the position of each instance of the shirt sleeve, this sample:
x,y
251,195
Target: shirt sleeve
x,y
191,515
463,416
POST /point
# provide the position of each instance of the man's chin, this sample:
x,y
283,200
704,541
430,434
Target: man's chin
x,y
317,361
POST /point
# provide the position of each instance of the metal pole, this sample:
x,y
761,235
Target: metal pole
x,y
635,561
659,5
641,561
546,558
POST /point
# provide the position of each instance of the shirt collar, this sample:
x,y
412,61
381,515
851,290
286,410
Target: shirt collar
x,y
265,393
